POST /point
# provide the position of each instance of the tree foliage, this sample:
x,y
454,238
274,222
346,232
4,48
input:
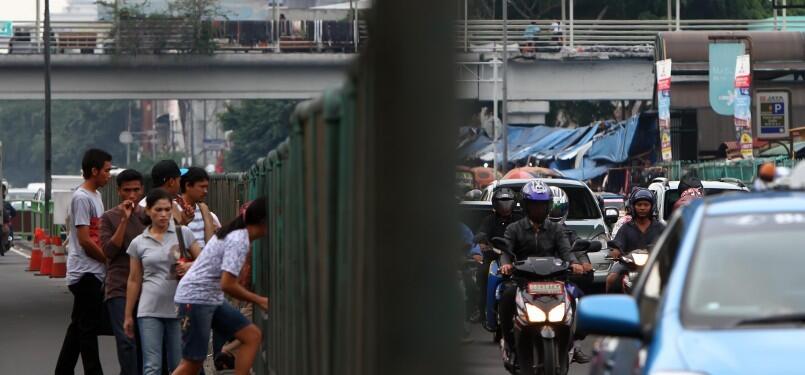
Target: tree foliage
x,y
76,125
258,126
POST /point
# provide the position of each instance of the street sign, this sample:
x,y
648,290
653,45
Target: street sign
x,y
664,107
743,106
215,144
6,29
772,109
722,76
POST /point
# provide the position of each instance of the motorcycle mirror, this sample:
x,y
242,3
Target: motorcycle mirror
x,y
500,243
595,247
581,245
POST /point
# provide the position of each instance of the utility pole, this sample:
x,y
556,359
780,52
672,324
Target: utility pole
x,y
48,171
504,103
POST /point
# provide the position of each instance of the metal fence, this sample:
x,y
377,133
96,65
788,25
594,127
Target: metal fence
x,y
635,36
166,36
744,170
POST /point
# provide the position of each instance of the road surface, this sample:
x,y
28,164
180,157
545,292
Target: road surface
x,y
34,314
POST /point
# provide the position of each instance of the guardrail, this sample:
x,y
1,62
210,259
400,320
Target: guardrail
x,y
144,36
553,36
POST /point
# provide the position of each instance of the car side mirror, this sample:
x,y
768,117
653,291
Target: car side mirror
x,y
473,195
610,315
611,215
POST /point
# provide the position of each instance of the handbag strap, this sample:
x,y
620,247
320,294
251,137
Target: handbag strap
x,y
182,246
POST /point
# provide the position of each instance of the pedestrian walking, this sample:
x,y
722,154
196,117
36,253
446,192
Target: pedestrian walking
x,y
194,185
86,268
119,226
200,294
156,265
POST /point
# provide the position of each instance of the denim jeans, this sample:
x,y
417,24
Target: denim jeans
x,y
153,333
128,355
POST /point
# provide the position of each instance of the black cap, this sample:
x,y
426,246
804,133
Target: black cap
x,y
164,171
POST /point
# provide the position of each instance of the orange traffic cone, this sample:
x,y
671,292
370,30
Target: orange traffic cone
x,y
59,259
47,256
36,252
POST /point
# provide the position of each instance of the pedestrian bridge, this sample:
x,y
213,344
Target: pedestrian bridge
x,y
219,76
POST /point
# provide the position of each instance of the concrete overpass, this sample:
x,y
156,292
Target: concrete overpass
x,y
173,76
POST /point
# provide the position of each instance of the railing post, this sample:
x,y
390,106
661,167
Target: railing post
x,y
563,24
785,15
670,15
572,32
466,13
677,15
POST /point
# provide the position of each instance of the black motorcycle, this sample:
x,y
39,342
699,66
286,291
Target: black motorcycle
x,y
634,263
545,318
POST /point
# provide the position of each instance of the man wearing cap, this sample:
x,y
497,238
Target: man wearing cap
x,y
166,175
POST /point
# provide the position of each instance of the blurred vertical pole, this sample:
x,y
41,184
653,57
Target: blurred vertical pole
x,y
48,171
353,13
277,26
38,31
670,15
413,320
785,15
504,104
466,37
678,16
563,24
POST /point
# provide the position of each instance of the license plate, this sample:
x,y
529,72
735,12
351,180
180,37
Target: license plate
x,y
545,288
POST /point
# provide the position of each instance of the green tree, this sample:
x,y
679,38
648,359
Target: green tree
x,y
76,125
258,126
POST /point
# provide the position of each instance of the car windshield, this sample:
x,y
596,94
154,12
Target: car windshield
x,y
672,195
582,204
746,267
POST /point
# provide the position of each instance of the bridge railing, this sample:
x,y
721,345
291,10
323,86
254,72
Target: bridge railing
x,y
144,36
552,36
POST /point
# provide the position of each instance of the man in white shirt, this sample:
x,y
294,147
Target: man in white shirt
x,y
194,184
86,268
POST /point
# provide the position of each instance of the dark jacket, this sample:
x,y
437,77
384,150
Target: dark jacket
x,y
494,226
524,242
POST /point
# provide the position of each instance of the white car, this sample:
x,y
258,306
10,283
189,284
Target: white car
x,y
667,192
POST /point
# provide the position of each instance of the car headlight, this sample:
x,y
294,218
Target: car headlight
x,y
639,259
535,314
557,314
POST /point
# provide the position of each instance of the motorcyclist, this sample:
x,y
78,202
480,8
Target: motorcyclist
x,y
643,230
8,231
532,236
494,225
559,211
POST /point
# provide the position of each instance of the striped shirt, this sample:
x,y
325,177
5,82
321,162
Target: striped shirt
x,y
197,225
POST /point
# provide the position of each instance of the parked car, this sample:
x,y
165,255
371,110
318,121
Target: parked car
x,y
719,294
585,215
667,193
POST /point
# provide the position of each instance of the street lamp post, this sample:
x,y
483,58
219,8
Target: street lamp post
x,y
48,171
505,89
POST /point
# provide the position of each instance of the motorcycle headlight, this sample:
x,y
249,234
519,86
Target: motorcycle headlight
x,y
535,314
639,259
557,314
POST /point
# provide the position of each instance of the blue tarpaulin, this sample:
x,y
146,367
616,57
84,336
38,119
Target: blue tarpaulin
x,y
581,153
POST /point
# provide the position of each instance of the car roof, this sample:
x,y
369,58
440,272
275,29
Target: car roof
x,y
549,181
765,202
710,185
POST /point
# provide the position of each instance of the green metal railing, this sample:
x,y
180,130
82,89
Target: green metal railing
x,y
31,215
744,170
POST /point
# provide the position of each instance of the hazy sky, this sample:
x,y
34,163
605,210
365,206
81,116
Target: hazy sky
x,y
25,10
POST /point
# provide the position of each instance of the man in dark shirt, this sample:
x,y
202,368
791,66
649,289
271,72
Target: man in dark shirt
x,y
532,236
641,232
119,226
493,226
